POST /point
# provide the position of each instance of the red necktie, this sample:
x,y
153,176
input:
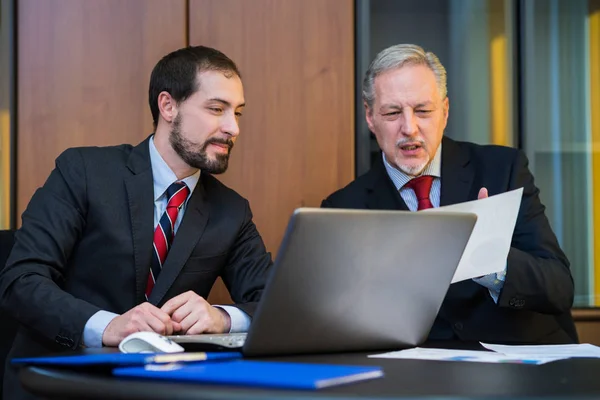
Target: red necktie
x,y
422,187
163,234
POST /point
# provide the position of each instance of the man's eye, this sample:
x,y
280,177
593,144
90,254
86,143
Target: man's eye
x,y
238,114
391,114
217,110
423,111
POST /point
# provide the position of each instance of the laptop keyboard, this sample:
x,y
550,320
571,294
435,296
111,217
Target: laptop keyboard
x,y
229,340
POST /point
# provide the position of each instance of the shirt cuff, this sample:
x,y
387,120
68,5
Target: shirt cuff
x,y
95,326
240,321
493,282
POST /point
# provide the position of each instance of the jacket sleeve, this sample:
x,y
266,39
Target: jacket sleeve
x,y
32,285
538,277
247,266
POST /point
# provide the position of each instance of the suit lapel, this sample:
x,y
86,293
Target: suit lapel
x,y
457,174
186,238
381,193
457,186
140,194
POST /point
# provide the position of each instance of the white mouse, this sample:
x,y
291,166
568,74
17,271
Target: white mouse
x,y
148,342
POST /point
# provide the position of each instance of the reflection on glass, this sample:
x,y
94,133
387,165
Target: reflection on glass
x,y
556,128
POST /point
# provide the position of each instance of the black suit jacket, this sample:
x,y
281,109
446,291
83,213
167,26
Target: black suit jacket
x,y
534,304
86,245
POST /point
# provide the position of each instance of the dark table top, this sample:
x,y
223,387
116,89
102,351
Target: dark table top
x,y
403,378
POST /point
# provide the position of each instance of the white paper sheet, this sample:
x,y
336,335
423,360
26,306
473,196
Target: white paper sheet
x,y
420,353
489,244
557,350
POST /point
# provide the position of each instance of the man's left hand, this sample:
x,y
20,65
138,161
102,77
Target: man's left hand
x,y
196,315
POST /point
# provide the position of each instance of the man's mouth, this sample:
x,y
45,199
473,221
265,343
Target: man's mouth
x,y
225,146
410,146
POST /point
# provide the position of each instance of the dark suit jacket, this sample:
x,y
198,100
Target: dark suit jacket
x,y
86,244
534,305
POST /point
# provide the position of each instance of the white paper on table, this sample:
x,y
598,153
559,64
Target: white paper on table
x,y
419,353
555,350
489,244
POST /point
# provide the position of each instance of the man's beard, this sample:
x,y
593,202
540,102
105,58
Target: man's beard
x,y
195,155
413,170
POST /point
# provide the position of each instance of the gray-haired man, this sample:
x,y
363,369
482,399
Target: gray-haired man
x,y
407,108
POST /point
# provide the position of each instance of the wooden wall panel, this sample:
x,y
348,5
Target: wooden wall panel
x,y
83,71
587,321
589,332
297,135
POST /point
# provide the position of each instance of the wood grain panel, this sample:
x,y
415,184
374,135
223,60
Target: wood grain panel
x,y
297,135
83,72
587,321
589,332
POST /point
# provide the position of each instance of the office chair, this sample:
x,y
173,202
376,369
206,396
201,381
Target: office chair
x,y
8,325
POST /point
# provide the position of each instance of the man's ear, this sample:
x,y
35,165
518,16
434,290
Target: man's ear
x,y
167,107
369,116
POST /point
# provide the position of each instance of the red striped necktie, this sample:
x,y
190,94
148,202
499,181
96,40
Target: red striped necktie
x,y
422,187
177,193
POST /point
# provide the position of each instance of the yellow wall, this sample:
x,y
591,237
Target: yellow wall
x,y
500,89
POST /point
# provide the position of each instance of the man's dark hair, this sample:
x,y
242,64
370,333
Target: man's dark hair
x,y
176,73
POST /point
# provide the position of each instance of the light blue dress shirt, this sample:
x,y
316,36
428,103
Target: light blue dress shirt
x,y
493,282
163,177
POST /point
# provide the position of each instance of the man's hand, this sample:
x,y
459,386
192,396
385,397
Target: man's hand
x,y
483,193
195,315
144,317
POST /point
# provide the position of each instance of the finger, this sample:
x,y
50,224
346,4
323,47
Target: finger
x,y
156,314
154,324
193,304
139,316
483,193
143,324
173,304
182,312
176,326
190,321
200,326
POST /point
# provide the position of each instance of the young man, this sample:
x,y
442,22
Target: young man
x,y
124,239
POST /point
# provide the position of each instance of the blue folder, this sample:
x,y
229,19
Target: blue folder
x,y
270,374
125,359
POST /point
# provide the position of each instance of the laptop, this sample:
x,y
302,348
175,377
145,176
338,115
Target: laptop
x,y
352,280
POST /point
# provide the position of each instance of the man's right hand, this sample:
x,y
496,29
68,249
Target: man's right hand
x,y
144,317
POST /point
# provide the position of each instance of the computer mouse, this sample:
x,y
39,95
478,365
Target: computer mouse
x,y
148,342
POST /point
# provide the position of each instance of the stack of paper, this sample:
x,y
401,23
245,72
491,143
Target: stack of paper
x,y
420,353
500,353
559,351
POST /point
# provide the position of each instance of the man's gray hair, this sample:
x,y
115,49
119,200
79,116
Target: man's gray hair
x,y
398,56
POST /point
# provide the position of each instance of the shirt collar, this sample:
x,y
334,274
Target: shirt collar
x,y
400,179
163,176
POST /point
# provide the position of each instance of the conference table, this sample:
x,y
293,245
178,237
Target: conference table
x,y
572,379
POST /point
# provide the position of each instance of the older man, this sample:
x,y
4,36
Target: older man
x,y
407,108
